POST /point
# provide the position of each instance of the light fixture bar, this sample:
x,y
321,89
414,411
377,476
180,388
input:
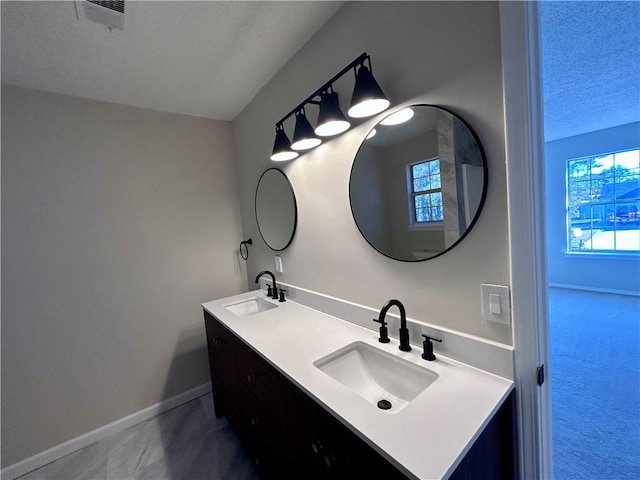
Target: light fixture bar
x,y
358,61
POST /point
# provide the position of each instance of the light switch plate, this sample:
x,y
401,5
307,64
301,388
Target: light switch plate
x,y
496,304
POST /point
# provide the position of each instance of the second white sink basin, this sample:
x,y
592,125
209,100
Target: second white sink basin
x,y
250,307
385,380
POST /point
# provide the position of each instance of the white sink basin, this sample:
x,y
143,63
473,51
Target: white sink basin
x,y
250,307
376,375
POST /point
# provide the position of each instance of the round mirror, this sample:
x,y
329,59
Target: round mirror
x,y
417,183
276,210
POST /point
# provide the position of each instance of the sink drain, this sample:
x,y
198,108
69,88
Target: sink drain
x,y
384,404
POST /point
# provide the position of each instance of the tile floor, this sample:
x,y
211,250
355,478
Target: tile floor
x,y
186,443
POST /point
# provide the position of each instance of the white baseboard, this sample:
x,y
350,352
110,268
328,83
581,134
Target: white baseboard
x,y
595,289
54,453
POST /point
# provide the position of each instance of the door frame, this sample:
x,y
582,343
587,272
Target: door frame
x,y
524,149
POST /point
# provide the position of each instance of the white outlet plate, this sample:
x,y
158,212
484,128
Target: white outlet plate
x,y
496,304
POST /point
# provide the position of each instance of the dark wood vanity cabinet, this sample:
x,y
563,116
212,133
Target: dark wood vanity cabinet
x,y
323,448
221,345
289,435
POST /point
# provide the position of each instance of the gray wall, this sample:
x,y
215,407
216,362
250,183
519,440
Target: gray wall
x,y
117,223
406,240
445,53
369,198
584,271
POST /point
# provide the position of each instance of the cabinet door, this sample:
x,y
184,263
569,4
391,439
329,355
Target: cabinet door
x,y
493,455
221,346
315,449
364,462
263,436
261,379
322,448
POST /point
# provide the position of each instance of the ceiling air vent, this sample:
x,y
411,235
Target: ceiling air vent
x,y
109,14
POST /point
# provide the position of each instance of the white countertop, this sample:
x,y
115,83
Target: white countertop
x,y
427,439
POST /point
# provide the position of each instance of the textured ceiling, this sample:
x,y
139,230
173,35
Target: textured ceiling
x,y
210,58
591,66
207,59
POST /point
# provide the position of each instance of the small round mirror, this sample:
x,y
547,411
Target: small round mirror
x,y
418,183
276,210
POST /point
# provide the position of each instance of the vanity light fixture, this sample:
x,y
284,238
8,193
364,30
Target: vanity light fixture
x,y
282,146
367,100
398,117
331,120
304,138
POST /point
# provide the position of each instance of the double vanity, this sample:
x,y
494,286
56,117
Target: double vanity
x,y
312,395
314,387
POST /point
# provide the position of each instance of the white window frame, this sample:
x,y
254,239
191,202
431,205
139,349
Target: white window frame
x,y
413,223
596,202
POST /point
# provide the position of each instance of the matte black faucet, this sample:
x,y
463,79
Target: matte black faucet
x,y
427,347
404,331
384,331
273,293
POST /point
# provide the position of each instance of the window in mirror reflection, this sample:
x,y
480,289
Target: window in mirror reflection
x,y
425,191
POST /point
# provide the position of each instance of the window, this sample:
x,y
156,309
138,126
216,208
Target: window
x,y
425,192
603,203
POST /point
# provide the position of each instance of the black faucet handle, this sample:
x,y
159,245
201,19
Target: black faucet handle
x,y
427,347
427,337
282,292
269,292
384,331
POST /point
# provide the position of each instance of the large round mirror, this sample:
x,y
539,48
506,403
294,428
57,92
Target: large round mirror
x,y
276,210
417,183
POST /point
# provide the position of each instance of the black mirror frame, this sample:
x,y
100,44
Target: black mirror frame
x,y
295,209
485,183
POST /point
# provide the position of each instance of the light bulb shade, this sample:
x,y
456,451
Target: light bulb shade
x,y
282,147
368,98
331,120
304,137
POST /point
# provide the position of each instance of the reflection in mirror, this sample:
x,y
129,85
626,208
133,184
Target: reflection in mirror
x,y
276,210
417,183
